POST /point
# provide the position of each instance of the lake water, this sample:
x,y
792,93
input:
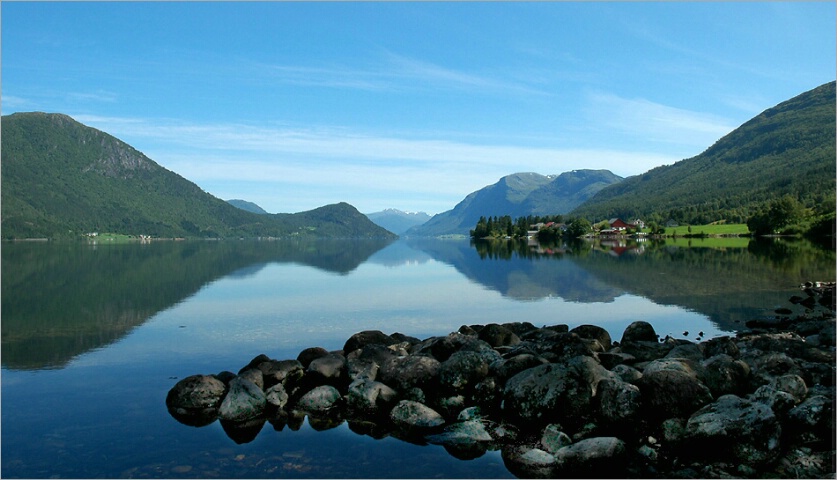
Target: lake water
x,y
94,336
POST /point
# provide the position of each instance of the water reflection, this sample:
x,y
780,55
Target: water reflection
x,y
61,300
729,280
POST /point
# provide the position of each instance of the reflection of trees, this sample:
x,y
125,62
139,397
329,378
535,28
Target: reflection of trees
x,y
729,285
61,300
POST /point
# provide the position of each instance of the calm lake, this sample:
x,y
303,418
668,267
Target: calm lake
x,y
94,336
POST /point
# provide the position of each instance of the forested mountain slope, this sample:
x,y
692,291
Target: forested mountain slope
x,y
786,150
519,195
62,179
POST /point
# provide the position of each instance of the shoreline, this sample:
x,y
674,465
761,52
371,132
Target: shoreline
x,y
560,402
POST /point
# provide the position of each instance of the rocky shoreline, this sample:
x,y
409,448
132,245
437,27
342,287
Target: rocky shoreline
x,y
560,402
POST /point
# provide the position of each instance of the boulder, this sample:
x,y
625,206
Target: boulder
x,y
319,400
254,375
525,461
734,429
276,396
286,372
553,439
498,335
412,416
367,337
465,432
370,397
462,371
672,393
724,374
504,369
331,369
620,403
245,401
308,355
550,393
594,332
639,331
813,419
597,457
414,371
196,392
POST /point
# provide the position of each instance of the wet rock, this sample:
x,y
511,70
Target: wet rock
x,y
196,392
276,396
672,393
498,335
414,371
550,393
367,337
331,369
639,331
594,332
462,371
597,457
755,405
620,403
813,419
319,400
465,432
243,402
254,375
528,462
724,374
286,372
308,355
736,429
553,439
504,369
370,397
414,416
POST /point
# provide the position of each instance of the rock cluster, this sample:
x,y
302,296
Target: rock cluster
x,y
558,401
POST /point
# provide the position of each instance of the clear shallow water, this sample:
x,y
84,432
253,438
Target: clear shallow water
x,y
93,338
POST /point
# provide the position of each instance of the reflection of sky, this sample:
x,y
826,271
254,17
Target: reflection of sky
x,y
284,308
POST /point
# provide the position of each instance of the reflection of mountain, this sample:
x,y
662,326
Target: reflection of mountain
x,y
729,285
397,254
61,300
511,273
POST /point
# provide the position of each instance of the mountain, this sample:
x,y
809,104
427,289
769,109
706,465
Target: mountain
x,y
397,221
786,150
517,195
248,206
62,179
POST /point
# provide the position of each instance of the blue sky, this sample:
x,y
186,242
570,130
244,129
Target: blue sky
x,y
409,105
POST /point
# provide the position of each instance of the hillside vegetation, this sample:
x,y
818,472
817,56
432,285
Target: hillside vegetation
x,y
63,179
519,195
786,151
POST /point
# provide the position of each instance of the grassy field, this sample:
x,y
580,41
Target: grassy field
x,y
713,229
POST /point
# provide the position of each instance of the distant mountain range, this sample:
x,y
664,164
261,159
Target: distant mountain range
x,y
248,206
786,150
397,221
518,195
63,179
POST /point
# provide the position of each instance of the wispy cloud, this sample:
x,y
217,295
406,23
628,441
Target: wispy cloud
x,y
390,71
96,96
655,122
358,167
